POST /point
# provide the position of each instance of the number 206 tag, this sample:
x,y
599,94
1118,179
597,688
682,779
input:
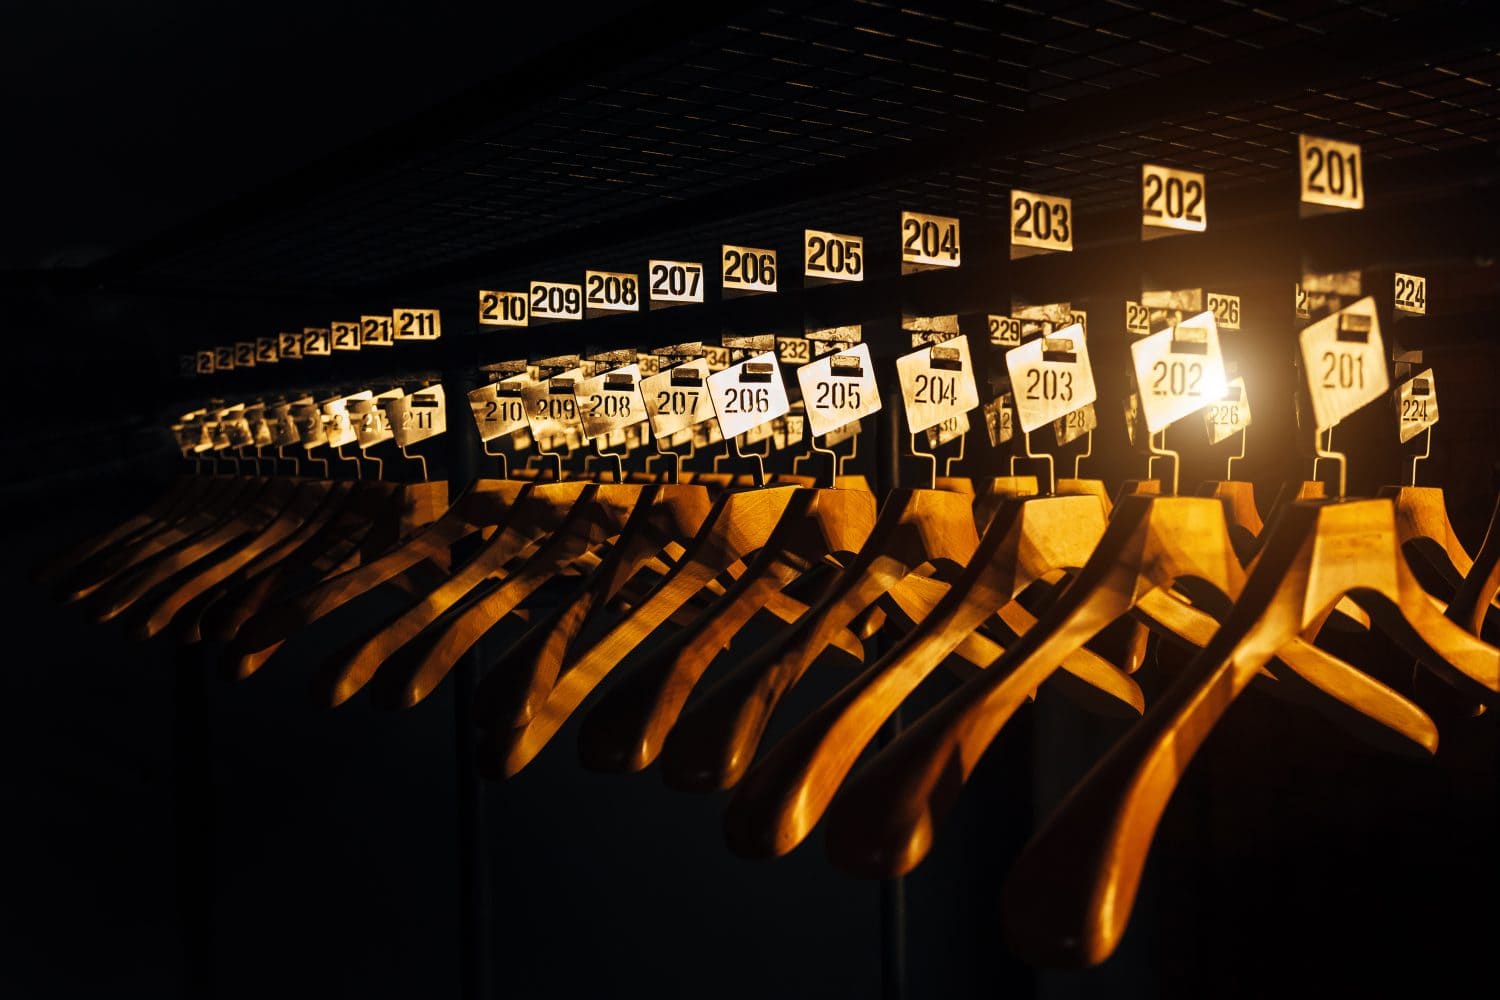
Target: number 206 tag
x,y
748,394
1051,377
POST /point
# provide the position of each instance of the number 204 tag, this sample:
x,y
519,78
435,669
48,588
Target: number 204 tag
x,y
937,383
1343,360
1051,377
748,394
1179,370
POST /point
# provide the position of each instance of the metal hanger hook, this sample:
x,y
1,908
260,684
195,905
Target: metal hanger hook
x,y
1088,449
1337,457
1039,456
504,459
619,461
1426,453
760,464
931,457
948,464
418,457
1162,451
1229,463
833,458
853,451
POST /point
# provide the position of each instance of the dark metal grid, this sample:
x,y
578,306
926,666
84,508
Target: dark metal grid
x,y
777,90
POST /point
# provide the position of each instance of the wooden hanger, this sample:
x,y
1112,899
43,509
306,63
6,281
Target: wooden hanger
x,y
1477,593
1422,518
183,493
1070,895
739,526
477,511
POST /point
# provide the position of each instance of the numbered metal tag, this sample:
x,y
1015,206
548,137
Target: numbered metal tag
x,y
1226,310
610,401
1172,201
551,406
416,324
1137,319
418,416
289,346
1072,426
838,389
832,257
748,394
316,342
673,282
1051,377
949,430
308,418
928,242
608,292
371,424
265,351
1332,175
500,407
1081,319
1226,417
345,336
717,357
1343,360
244,354
502,308
1179,370
203,362
793,351
1411,294
339,425
224,358
748,270
553,301
1417,405
1000,419
1302,308
375,331
937,383
677,399
1040,223
839,338
1005,332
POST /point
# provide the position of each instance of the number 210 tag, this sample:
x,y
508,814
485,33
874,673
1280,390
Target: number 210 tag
x,y
1051,377
748,394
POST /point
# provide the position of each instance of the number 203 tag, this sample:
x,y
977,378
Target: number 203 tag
x,y
838,389
748,394
1179,370
1343,360
1051,377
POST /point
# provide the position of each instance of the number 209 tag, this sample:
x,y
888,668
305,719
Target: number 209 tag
x,y
1179,370
1051,377
748,394
1343,360
838,389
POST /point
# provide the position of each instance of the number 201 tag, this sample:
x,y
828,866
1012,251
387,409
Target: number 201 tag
x,y
1051,377
1179,370
1331,175
1343,360
838,389
748,394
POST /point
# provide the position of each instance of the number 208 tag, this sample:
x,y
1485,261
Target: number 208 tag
x,y
1179,370
1051,377
839,389
748,394
1343,360
937,383
610,401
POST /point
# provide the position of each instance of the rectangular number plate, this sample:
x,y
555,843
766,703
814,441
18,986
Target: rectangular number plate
x,y
371,425
748,394
1051,377
499,407
345,336
793,350
717,357
375,331
611,292
417,324
1343,360
265,351
316,342
1072,426
1226,417
1411,294
309,420
1332,173
1000,419
832,256
838,389
244,354
937,383
1137,319
610,401
1005,331
553,300
1417,405
502,308
418,416
677,399
224,358
1172,201
1040,223
204,360
1226,310
1179,370
674,281
928,241
748,269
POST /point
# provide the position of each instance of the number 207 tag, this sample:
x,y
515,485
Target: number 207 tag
x,y
748,394
1051,377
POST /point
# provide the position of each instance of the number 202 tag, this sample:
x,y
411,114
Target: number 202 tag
x,y
1172,201
677,398
748,394
1417,405
1051,377
610,401
1343,360
1179,370
838,389
937,383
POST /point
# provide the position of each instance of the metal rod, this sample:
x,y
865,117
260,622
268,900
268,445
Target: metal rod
x,y
1229,463
931,457
1426,453
1162,451
1336,457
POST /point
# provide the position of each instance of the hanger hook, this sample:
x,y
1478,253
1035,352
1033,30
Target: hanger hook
x,y
324,463
948,464
1037,456
931,457
1327,452
234,461
418,457
358,469
1162,451
1088,450
296,465
1426,453
619,460
556,456
1229,463
760,464
833,458
853,451
504,459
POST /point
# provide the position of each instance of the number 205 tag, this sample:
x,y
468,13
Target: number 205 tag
x,y
1180,370
1051,377
1343,360
838,389
748,394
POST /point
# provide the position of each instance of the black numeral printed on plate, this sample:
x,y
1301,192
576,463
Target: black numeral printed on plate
x,y
1226,310
833,256
1411,294
1040,221
265,351
345,336
929,241
417,324
675,281
224,358
1331,173
556,300
748,269
316,342
375,331
502,308
608,291
1173,199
